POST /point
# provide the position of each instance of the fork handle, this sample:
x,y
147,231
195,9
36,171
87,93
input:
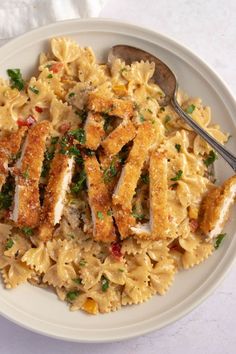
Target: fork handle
x,y
227,155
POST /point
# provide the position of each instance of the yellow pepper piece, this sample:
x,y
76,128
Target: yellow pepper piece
x,y
90,306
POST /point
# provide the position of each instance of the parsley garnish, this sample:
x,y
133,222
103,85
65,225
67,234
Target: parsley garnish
x,y
25,174
166,121
72,295
6,195
9,244
28,231
78,134
80,183
218,240
121,270
50,76
178,147
145,178
190,109
77,280
74,151
110,172
104,283
34,90
211,158
122,70
136,214
82,263
141,118
16,79
71,94
177,176
149,110
100,215
109,213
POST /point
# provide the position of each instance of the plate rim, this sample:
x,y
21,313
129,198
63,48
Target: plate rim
x,y
213,281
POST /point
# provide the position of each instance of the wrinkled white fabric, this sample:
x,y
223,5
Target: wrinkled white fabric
x,y
19,16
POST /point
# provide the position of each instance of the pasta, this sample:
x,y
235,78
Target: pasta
x,y
120,198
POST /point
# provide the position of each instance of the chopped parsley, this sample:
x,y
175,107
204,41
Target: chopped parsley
x,y
78,134
190,109
121,270
141,118
82,262
218,240
122,70
71,94
48,156
149,110
104,283
74,151
177,176
109,213
26,174
178,147
100,215
28,231
9,244
110,172
145,178
34,90
50,76
136,214
72,295
80,183
78,281
6,195
167,120
211,158
16,79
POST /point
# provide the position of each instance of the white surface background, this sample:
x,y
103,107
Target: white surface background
x,y
208,28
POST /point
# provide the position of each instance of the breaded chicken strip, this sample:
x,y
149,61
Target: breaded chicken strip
x,y
110,106
99,201
119,137
124,192
60,176
9,146
94,130
214,211
28,169
158,188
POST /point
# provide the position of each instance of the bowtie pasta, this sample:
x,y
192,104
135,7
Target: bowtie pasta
x,y
104,192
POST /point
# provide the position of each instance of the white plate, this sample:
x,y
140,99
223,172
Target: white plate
x,y
38,309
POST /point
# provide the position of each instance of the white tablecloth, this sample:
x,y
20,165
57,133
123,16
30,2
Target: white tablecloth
x,y
209,29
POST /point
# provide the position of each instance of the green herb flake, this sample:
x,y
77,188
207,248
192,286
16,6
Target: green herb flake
x,y
141,118
80,183
137,215
78,134
110,172
123,70
218,240
74,151
34,90
145,178
82,262
16,79
77,281
54,140
100,215
104,283
26,174
121,270
9,244
177,176
71,94
149,110
162,109
109,213
167,120
190,109
50,76
178,147
28,231
72,295
211,158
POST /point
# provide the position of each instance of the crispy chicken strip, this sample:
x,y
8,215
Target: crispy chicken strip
x,y
120,136
94,130
124,192
215,208
99,201
158,188
111,106
9,146
59,180
26,208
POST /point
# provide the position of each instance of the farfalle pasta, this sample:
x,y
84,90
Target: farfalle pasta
x,y
116,179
